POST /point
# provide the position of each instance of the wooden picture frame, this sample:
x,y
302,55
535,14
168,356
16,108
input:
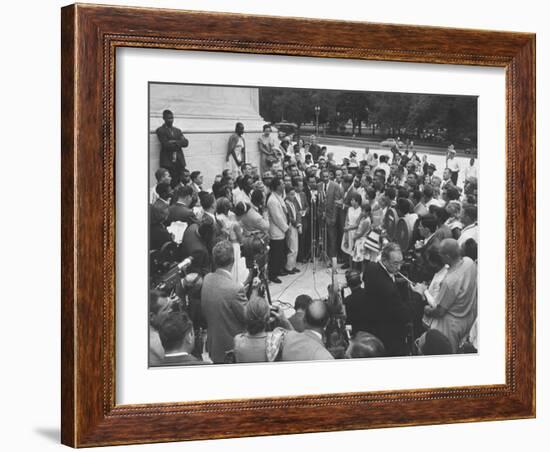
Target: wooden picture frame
x,y
90,36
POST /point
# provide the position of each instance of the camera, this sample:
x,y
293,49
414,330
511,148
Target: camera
x,y
255,249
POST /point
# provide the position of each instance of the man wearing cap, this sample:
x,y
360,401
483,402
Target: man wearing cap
x,y
267,178
431,170
452,164
171,143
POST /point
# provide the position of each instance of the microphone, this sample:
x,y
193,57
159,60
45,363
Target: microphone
x,y
185,263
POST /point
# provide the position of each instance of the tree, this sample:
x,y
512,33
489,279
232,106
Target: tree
x,y
455,115
353,106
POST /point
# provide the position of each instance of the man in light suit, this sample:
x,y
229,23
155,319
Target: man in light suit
x,y
278,227
308,345
331,196
222,303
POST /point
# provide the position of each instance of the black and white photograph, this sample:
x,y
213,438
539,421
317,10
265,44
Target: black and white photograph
x,y
293,224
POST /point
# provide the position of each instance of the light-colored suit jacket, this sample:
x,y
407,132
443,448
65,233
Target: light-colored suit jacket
x,y
278,224
222,303
306,346
252,221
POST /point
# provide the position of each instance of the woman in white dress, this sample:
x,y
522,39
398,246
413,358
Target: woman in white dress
x,y
352,223
233,229
360,252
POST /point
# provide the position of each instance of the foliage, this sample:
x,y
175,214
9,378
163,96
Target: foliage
x,y
452,118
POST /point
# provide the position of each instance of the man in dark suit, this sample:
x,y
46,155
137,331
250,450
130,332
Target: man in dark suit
x,y
389,315
356,303
302,205
164,195
171,143
314,214
178,340
180,211
308,345
331,198
195,244
222,302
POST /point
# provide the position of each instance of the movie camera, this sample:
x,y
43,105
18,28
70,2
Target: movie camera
x,y
170,282
254,249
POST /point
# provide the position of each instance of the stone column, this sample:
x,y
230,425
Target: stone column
x,y
207,117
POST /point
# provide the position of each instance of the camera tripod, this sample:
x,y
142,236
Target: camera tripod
x,y
263,289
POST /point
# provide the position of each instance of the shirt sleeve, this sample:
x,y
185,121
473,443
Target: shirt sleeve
x,y
162,137
446,296
261,223
181,140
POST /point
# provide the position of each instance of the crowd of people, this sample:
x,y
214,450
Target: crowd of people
x,y
256,224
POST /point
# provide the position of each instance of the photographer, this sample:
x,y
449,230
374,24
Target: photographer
x,y
308,345
178,339
159,307
223,303
257,344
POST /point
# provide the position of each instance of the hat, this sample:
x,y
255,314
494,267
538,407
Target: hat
x,y
451,148
353,154
322,158
353,164
432,166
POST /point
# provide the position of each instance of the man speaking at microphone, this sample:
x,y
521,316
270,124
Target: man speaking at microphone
x,y
388,314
